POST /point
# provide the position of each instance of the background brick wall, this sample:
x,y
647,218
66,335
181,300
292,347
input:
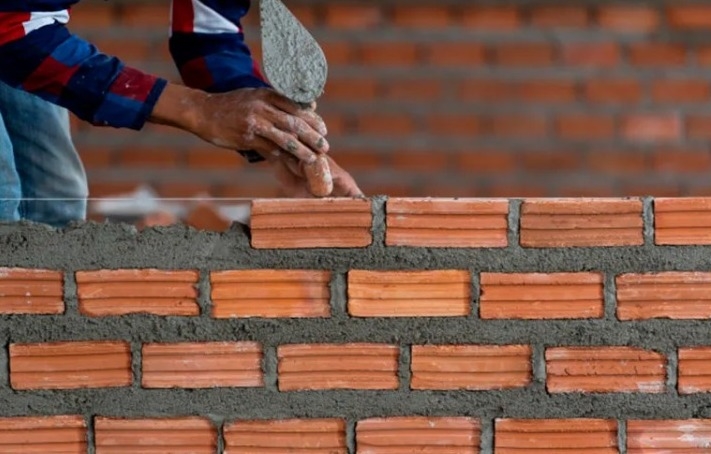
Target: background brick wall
x,y
454,98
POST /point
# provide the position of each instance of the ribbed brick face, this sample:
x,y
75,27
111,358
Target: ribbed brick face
x,y
673,295
682,221
559,436
694,372
176,435
31,291
43,434
387,435
656,437
310,436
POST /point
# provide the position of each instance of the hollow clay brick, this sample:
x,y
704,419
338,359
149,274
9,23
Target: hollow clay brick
x,y
447,223
691,436
470,367
418,434
133,291
555,435
43,434
694,370
70,365
338,366
270,293
682,221
178,436
541,296
206,216
445,293
31,291
307,436
581,223
202,365
306,223
673,295
604,370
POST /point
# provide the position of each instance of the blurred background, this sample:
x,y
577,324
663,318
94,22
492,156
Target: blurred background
x,y
452,98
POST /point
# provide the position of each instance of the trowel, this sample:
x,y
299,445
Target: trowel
x,y
295,65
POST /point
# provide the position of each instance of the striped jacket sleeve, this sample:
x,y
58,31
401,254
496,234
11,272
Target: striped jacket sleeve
x,y
39,54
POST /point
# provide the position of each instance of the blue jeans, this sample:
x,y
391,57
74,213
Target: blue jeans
x,y
42,178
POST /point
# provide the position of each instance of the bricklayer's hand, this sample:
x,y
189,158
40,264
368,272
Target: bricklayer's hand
x,y
290,174
256,119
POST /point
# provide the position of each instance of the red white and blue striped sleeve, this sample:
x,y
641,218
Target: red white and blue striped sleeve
x,y
38,54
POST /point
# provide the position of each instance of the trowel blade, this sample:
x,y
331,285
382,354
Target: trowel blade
x,y
293,61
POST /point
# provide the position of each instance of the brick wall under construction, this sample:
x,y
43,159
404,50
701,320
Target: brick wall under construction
x,y
454,98
364,326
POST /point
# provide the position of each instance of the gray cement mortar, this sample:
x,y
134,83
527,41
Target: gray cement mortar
x,y
98,246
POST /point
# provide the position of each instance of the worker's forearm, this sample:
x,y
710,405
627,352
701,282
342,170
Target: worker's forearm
x,y
179,106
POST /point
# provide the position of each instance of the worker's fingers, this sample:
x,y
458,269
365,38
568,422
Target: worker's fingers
x,y
287,142
302,130
307,114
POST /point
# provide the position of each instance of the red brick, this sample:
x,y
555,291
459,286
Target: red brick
x,y
703,55
100,189
339,52
694,374
304,435
131,49
556,435
468,223
673,295
389,53
70,365
484,90
604,369
520,125
548,91
445,293
336,124
353,16
149,15
452,125
689,16
486,161
351,89
538,296
560,16
93,16
205,215
698,126
301,223
684,221
550,160
183,189
122,292
629,19
642,189
581,223
270,293
681,161
421,16
657,54
209,157
622,162
613,91
248,190
357,160
96,157
652,127
43,434
150,157
420,161
681,91
599,55
414,90
517,190
31,291
386,124
115,435
460,53
202,365
307,14
338,366
658,436
524,54
418,434
491,17
471,367
585,126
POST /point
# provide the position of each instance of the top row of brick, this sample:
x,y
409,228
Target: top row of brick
x,y
479,223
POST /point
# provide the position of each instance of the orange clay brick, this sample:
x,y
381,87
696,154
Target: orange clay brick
x,y
557,436
691,436
652,128
270,293
343,366
43,434
303,223
202,365
177,435
121,292
307,436
581,222
438,222
673,295
604,369
689,16
31,291
418,434
470,367
629,18
483,17
694,370
445,293
682,221
541,296
70,365
560,16
353,16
